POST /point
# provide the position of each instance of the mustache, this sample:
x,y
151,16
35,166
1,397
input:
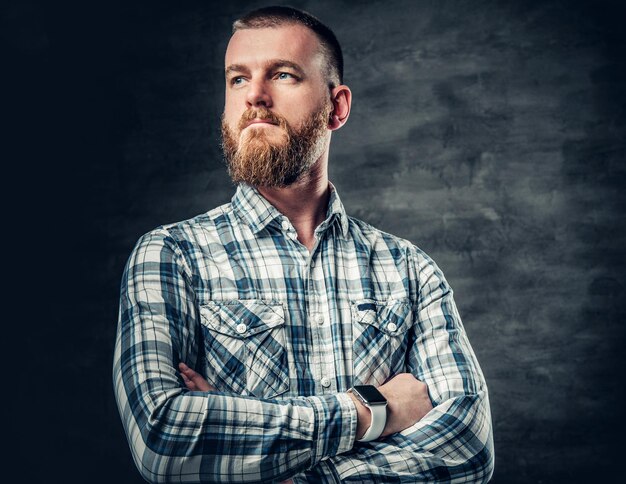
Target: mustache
x,y
261,113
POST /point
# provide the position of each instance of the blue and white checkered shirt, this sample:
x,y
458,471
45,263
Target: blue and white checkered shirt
x,y
283,334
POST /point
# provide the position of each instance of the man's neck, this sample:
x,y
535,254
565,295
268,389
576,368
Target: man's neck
x,y
304,203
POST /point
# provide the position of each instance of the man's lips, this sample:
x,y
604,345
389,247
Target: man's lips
x,y
259,121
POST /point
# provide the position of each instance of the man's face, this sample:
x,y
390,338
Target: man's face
x,y
274,126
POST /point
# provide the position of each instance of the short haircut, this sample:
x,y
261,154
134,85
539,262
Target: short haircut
x,y
275,16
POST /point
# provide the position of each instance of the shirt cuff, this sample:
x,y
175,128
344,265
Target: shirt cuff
x,y
336,419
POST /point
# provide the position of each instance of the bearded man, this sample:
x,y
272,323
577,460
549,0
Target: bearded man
x,y
275,338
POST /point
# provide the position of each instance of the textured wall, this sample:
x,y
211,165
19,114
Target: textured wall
x,y
491,134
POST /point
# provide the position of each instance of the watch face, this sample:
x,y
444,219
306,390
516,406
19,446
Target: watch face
x,y
370,394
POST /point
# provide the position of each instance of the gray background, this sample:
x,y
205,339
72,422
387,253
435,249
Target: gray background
x,y
491,134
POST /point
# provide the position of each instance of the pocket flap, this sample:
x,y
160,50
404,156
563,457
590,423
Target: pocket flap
x,y
242,318
392,317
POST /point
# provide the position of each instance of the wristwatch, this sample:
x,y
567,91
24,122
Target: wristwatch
x,y
374,400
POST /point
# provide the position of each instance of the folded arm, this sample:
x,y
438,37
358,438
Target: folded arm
x,y
178,435
453,442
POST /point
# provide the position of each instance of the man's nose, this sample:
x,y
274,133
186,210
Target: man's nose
x,y
258,94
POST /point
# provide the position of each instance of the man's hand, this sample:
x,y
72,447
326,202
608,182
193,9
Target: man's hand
x,y
194,381
407,402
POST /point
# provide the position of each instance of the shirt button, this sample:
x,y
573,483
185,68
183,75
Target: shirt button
x,y
241,328
392,326
319,319
285,225
325,382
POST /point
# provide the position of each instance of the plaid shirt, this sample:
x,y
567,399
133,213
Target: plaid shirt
x,y
283,334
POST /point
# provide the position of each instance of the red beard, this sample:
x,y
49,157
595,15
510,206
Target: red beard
x,y
255,160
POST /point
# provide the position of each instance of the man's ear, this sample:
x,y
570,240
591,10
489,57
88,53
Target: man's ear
x,y
341,97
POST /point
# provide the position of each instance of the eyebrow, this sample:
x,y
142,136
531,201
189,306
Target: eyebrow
x,y
271,64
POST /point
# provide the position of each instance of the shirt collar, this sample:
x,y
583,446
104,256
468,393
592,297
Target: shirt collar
x,y
336,213
258,213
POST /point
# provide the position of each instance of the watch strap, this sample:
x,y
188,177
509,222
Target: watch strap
x,y
379,418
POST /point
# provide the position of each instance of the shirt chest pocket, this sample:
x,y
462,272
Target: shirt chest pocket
x,y
245,346
380,339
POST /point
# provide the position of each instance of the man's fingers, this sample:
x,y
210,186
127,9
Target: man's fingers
x,y
193,380
188,383
187,372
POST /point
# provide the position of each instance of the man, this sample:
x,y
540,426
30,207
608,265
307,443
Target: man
x,y
275,338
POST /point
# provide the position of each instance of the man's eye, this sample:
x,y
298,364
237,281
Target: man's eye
x,y
284,76
236,80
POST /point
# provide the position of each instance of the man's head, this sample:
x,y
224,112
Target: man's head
x,y
283,96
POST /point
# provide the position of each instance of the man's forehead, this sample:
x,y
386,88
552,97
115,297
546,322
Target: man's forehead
x,y
293,42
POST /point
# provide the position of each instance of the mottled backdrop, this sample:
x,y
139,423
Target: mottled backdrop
x,y
490,133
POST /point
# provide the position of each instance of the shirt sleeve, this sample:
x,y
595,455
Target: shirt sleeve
x,y
180,436
454,441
